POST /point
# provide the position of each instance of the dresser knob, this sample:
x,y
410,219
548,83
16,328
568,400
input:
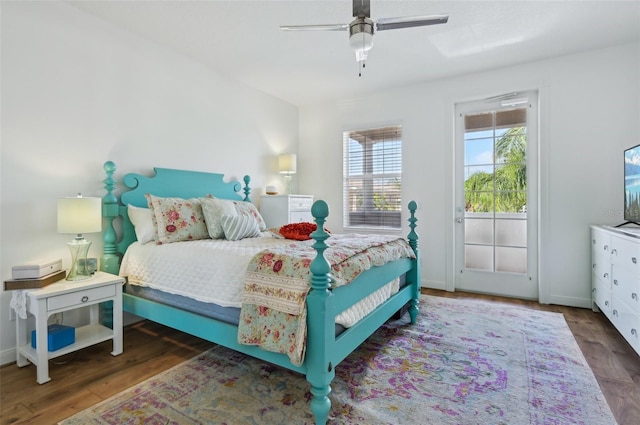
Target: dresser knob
x,y
614,251
634,332
615,282
85,299
634,296
606,275
634,260
606,247
615,312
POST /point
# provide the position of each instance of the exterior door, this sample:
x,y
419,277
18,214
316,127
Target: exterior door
x,y
496,219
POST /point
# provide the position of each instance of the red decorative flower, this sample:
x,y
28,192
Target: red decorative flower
x,y
171,228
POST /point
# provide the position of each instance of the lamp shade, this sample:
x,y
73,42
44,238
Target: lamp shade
x,y
287,163
79,215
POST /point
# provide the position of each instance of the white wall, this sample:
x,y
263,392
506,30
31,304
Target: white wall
x,y
77,92
589,113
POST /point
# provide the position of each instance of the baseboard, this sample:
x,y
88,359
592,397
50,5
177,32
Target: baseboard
x,y
8,356
570,301
434,284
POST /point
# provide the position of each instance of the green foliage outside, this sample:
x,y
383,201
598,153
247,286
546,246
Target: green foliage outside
x,y
504,190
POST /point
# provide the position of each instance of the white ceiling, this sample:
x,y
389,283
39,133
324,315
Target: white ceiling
x,y
241,39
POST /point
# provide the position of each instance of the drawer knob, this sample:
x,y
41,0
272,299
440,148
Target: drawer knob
x,y
615,312
634,332
615,282
605,275
634,296
634,260
85,299
606,303
606,247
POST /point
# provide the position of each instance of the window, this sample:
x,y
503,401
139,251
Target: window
x,y
372,185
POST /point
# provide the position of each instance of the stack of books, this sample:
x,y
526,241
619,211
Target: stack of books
x,y
34,283
36,275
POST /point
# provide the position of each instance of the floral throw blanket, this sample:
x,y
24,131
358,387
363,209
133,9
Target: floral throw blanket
x,y
274,313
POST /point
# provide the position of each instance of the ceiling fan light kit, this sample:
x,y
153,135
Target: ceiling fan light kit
x,y
361,28
361,37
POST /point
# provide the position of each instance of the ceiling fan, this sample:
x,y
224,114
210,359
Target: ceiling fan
x,y
361,28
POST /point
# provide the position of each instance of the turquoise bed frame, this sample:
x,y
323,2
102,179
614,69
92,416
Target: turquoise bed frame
x,y
324,350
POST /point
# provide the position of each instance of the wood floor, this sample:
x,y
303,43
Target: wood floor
x,y
84,378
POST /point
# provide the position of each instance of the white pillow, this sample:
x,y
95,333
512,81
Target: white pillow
x,y
141,218
213,210
239,226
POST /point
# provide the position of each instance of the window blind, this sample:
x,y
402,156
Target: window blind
x,y
372,186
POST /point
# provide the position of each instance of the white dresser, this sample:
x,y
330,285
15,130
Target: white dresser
x,y
278,210
615,276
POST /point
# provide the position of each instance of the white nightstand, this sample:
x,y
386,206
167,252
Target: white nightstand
x,y
278,210
63,296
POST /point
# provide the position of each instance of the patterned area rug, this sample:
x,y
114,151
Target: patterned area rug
x,y
465,362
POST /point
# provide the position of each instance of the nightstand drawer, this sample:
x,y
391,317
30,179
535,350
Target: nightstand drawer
x,y
300,202
88,296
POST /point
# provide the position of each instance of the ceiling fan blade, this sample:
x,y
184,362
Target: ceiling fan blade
x,y
362,8
410,21
330,27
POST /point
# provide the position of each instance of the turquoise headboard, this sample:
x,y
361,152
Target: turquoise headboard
x,y
165,182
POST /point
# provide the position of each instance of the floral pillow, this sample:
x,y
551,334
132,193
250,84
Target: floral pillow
x,y
239,226
214,209
178,219
247,208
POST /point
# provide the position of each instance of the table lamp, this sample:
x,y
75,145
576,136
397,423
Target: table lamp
x,y
77,216
287,166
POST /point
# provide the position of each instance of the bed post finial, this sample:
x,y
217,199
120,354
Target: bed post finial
x,y
247,189
321,327
414,274
110,260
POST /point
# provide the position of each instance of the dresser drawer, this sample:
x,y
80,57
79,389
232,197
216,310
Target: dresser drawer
x,y
626,254
602,295
600,244
626,287
627,323
88,296
601,269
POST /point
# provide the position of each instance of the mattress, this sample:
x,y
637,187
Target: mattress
x,y
207,276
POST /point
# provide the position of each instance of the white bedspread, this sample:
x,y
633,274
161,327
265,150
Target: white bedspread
x,y
213,271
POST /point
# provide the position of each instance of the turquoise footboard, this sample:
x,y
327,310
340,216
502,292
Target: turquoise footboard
x,y
324,350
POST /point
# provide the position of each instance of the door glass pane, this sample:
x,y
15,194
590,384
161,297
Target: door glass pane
x,y
478,231
478,150
511,260
478,257
495,191
511,232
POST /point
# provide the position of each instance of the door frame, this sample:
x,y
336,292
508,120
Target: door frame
x,y
543,179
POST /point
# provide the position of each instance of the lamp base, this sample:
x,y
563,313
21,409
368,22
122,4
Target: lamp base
x,y
287,183
79,249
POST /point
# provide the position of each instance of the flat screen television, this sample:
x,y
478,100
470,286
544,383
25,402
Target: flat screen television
x,y
632,185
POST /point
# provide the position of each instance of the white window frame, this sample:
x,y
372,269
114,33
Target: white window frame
x,y
379,173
